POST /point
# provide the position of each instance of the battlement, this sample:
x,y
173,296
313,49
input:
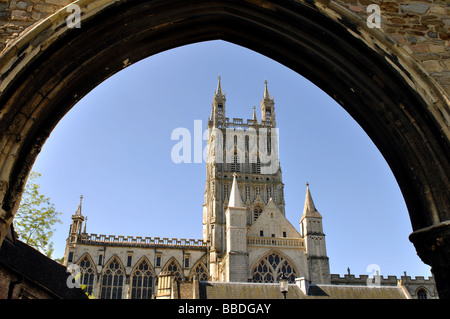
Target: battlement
x,y
350,279
238,124
144,242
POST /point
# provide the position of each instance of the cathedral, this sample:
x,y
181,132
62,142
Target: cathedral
x,y
248,244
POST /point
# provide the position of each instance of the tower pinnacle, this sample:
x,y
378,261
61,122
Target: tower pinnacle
x,y
235,196
219,88
309,209
266,91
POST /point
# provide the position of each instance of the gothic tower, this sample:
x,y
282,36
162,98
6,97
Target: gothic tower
x,y
311,230
250,151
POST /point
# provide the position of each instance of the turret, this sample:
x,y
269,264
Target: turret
x,y
312,231
218,107
268,109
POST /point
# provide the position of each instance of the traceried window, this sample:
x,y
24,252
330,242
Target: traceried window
x,y
142,281
112,280
257,210
87,273
271,267
200,271
174,267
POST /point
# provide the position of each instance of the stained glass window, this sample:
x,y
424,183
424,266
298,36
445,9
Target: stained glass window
x,y
271,268
142,281
112,281
87,272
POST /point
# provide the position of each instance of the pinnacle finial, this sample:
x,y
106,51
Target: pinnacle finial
x,y
266,91
219,87
78,212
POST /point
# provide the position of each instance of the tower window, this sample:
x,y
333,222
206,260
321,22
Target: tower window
x,y
235,164
70,257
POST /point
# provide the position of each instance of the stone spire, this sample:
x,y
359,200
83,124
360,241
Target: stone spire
x,y
78,212
254,114
235,195
219,88
266,91
309,209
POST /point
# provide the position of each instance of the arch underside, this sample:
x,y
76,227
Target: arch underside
x,y
379,96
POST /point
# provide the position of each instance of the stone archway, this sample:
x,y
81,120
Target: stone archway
x,y
397,98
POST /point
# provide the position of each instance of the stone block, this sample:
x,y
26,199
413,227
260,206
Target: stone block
x,y
58,2
44,8
416,7
432,66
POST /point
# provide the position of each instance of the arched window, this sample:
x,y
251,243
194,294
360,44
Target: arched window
x,y
257,210
200,271
235,164
173,266
112,280
87,273
422,294
271,268
256,165
142,281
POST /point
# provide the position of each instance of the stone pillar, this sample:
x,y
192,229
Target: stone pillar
x,y
433,247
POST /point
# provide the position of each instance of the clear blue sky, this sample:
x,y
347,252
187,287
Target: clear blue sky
x,y
114,148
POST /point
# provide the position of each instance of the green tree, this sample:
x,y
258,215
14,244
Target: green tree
x,y
35,217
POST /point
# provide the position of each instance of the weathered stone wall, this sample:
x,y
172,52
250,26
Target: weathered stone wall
x,y
421,28
17,15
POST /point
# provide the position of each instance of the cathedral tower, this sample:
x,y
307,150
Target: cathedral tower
x,y
248,150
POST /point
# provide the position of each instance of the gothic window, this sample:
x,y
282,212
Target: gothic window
x,y
173,267
142,281
199,270
271,268
235,164
269,192
257,210
256,165
112,280
421,294
87,273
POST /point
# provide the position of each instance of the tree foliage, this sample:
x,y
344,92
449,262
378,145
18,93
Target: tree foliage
x,y
35,217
